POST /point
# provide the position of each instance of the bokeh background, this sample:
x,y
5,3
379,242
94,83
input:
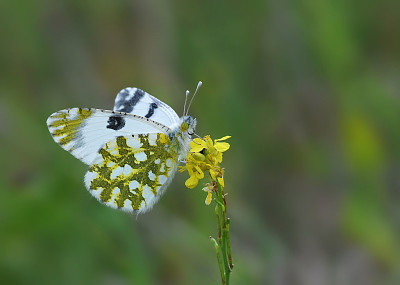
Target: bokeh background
x,y
308,90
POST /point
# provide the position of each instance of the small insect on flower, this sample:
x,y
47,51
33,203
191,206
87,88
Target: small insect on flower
x,y
205,155
132,151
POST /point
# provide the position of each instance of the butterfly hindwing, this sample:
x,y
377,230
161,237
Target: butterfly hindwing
x,y
131,172
136,101
83,131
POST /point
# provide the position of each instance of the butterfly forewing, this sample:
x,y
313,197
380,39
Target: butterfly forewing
x,y
131,172
136,101
84,131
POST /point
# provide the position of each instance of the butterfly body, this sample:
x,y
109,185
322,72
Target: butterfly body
x,y
132,152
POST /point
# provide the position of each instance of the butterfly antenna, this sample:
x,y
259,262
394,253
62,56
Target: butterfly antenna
x,y
195,92
184,106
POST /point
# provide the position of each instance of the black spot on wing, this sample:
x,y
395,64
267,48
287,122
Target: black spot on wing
x,y
126,101
152,107
122,99
115,123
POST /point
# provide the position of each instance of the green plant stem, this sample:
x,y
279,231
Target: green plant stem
x,y
223,246
228,243
218,222
221,268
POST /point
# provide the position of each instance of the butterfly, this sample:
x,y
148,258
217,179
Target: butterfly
x,y
132,151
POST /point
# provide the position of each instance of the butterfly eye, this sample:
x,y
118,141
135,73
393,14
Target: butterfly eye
x,y
184,126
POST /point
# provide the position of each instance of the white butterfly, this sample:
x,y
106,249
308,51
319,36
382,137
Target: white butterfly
x,y
132,151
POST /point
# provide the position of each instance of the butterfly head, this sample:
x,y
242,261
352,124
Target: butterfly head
x,y
188,125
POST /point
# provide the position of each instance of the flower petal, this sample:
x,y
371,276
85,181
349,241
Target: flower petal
x,y
196,148
224,138
208,199
212,173
198,143
190,169
218,157
222,146
209,142
191,182
199,173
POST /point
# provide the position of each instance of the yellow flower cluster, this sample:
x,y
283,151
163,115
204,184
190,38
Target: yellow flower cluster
x,y
205,155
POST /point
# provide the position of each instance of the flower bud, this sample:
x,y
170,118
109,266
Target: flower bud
x,y
198,156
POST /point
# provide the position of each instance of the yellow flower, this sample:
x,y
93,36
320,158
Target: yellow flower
x,y
205,155
197,145
209,198
212,150
222,146
195,169
209,189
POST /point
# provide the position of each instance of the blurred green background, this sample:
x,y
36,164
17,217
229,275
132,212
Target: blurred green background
x,y
308,90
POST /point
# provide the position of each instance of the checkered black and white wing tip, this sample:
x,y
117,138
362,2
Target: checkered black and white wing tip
x,y
135,101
